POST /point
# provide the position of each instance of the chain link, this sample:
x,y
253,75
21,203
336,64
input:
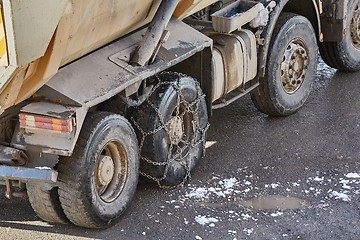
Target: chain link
x,y
176,152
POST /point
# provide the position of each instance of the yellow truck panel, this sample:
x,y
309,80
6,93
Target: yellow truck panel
x,y
3,46
27,33
73,28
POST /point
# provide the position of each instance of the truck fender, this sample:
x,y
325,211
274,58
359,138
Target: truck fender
x,y
307,8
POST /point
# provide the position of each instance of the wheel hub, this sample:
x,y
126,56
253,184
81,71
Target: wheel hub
x,y
176,130
355,28
294,66
106,170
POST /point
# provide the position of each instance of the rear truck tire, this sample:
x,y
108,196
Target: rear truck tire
x,y
171,127
98,182
46,204
345,55
290,68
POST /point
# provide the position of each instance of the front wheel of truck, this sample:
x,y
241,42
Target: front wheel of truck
x,y
290,67
98,182
345,55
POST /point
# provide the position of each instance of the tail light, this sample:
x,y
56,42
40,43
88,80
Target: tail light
x,y
46,124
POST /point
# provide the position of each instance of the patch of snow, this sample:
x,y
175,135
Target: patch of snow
x,y
318,179
343,181
323,205
212,189
203,220
247,183
352,175
248,231
197,193
226,188
338,195
263,17
229,183
277,214
186,221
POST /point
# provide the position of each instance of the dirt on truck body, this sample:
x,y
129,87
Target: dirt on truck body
x,y
94,94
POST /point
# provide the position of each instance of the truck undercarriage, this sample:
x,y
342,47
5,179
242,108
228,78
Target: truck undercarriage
x,y
80,123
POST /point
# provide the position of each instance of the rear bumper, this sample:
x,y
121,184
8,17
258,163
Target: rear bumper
x,y
44,175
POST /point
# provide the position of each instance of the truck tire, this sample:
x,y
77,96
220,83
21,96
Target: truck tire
x,y
345,55
46,204
171,126
290,68
98,182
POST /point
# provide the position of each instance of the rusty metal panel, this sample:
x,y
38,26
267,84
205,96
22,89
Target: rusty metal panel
x,y
11,156
100,79
50,110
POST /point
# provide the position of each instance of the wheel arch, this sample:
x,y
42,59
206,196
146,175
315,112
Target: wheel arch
x,y
306,8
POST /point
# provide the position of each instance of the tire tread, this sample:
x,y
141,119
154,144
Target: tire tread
x,y
261,96
46,205
71,185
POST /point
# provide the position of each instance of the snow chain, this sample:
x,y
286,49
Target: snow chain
x,y
191,108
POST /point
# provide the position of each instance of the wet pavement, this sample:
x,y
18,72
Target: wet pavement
x,y
262,178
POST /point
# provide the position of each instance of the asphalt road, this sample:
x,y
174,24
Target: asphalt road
x,y
262,178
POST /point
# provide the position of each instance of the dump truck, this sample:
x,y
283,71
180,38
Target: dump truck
x,y
94,94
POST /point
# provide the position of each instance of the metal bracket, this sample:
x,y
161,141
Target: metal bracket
x,y
42,174
12,156
242,92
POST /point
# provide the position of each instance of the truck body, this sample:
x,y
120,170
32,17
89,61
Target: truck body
x,y
94,93
37,48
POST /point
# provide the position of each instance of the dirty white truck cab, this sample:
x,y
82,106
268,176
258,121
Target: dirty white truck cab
x,y
95,93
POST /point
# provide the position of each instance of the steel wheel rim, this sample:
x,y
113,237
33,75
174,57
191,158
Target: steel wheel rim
x,y
109,185
355,28
294,66
179,146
